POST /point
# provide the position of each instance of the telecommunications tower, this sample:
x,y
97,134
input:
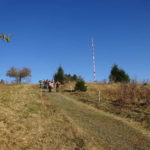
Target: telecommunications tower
x,y
94,63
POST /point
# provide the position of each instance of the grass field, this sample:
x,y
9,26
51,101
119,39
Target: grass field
x,y
126,100
30,121
108,131
33,119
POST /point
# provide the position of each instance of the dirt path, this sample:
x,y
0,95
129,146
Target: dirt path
x,y
109,132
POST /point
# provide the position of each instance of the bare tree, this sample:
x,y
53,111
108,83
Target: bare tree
x,y
23,73
19,74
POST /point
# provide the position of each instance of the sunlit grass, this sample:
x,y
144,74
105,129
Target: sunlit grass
x,y
126,100
29,120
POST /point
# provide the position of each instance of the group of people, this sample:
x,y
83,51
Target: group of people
x,y
47,84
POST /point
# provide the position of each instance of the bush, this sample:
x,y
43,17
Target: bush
x,y
133,93
80,85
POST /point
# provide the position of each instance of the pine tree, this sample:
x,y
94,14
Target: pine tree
x,y
74,77
59,76
118,75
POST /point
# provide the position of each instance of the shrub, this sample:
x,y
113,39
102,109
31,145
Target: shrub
x,y
80,85
133,93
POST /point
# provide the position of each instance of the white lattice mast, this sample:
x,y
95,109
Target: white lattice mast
x,y
94,63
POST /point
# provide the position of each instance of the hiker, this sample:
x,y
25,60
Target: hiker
x,y
49,86
57,86
44,84
40,82
47,82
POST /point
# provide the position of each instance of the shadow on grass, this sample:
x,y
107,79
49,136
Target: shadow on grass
x,y
69,91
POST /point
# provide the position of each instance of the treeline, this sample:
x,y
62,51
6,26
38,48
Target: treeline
x,y
116,75
65,78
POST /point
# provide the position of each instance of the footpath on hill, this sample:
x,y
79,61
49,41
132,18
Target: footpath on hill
x,y
109,132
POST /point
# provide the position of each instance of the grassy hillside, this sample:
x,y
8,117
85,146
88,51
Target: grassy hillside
x,y
126,100
33,119
29,120
109,131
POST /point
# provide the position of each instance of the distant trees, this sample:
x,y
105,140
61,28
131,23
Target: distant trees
x,y
118,75
62,77
69,77
5,37
18,74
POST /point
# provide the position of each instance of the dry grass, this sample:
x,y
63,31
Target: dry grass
x,y
29,120
126,100
108,131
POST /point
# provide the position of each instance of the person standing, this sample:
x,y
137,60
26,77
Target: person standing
x,y
50,86
57,86
40,82
47,82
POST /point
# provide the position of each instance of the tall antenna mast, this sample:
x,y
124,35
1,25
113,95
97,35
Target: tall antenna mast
x,y
94,63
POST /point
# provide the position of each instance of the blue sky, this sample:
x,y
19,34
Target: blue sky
x,y
47,33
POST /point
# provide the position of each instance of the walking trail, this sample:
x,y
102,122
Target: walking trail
x,y
111,132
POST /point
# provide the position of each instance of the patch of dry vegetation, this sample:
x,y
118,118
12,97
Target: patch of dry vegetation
x,y
127,100
29,120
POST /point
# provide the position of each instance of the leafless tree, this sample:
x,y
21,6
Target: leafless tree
x,y
19,74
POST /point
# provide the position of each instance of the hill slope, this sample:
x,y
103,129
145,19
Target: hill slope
x,y
33,119
109,131
30,121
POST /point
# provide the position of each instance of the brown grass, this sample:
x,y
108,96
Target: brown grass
x,y
126,100
29,120
109,131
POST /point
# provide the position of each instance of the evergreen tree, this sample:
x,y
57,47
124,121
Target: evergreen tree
x,y
69,77
118,75
74,77
59,76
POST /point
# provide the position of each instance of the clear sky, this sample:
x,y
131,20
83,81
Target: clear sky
x,y
47,33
